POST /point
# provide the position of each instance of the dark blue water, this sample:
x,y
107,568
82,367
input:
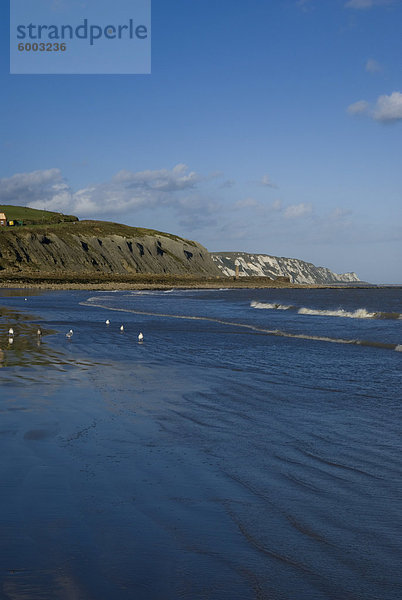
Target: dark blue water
x,y
249,448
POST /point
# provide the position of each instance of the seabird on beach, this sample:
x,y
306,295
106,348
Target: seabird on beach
x,y
122,328
11,332
107,322
11,340
39,332
69,334
140,337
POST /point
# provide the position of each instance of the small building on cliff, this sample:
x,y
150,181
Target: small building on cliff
x,y
3,220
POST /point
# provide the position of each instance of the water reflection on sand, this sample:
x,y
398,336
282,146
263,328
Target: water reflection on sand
x,y
27,349
22,293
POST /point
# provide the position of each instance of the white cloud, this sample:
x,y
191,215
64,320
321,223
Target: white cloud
x,y
36,188
163,180
125,191
363,4
387,109
358,108
373,66
267,182
295,211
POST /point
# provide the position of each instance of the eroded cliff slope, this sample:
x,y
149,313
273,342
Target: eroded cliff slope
x,y
100,247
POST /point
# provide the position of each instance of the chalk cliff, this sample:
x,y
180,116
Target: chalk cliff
x,y
263,265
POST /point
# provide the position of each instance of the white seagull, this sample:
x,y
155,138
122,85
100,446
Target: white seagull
x,y
11,332
39,332
107,322
140,337
69,334
122,328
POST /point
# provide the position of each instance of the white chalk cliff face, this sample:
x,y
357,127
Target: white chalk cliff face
x,y
263,265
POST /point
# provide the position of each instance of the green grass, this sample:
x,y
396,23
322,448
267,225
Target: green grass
x,y
89,228
43,221
32,216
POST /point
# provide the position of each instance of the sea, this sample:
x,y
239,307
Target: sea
x,y
248,448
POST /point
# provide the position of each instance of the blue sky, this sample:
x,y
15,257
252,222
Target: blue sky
x,y
270,126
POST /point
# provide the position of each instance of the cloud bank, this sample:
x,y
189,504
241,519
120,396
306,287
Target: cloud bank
x,y
178,200
176,189
125,191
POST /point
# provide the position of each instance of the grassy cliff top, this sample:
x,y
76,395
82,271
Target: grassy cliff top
x,y
32,216
43,222
104,228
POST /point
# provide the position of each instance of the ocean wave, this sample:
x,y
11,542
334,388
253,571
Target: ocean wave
x,y
359,313
144,293
261,330
99,298
271,306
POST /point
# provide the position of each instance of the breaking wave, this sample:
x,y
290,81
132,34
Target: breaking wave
x,y
273,332
359,313
271,306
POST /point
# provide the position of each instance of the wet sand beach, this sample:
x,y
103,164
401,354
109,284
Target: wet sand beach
x,y
209,462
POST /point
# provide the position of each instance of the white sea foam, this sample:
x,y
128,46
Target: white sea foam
x,y
97,298
360,313
398,348
132,293
268,305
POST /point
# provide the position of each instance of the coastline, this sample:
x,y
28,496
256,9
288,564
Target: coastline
x,y
157,282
